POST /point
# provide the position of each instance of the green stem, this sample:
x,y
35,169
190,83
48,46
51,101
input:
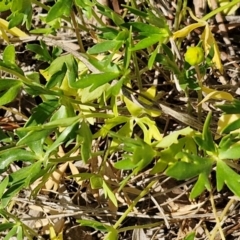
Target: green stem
x,y
98,19
223,214
137,72
189,106
27,229
199,92
135,201
150,225
79,38
177,17
218,224
39,4
220,9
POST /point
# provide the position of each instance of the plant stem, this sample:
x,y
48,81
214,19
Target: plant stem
x,y
134,203
79,38
177,17
150,225
199,92
138,76
223,214
218,224
98,19
215,11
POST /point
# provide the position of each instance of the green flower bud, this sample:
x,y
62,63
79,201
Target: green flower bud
x,y
194,55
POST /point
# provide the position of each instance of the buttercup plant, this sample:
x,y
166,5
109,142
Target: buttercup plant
x,y
94,140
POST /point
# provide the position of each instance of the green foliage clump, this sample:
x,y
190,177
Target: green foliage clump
x,y
98,94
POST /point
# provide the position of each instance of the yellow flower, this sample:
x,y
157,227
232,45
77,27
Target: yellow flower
x,y
194,55
207,39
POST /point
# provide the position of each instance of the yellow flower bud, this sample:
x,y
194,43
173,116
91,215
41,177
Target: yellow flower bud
x,y
194,55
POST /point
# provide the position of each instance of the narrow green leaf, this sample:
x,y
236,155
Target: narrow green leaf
x,y
190,236
125,164
57,78
65,135
64,122
57,64
5,226
167,63
5,5
192,168
12,67
128,53
229,140
33,136
20,234
103,79
9,90
60,8
135,11
94,224
151,60
16,19
95,80
200,185
11,233
207,134
86,144
3,185
232,108
150,29
96,182
168,51
174,137
7,158
34,173
85,3
108,33
65,111
83,176
40,50
9,54
117,18
226,175
87,95
232,126
157,19
42,112
159,167
232,152
147,42
72,73
104,46
122,36
20,179
110,194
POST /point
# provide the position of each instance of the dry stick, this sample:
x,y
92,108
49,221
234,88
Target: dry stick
x,y
200,7
161,211
165,108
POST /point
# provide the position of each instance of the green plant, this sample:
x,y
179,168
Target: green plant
x,y
81,89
